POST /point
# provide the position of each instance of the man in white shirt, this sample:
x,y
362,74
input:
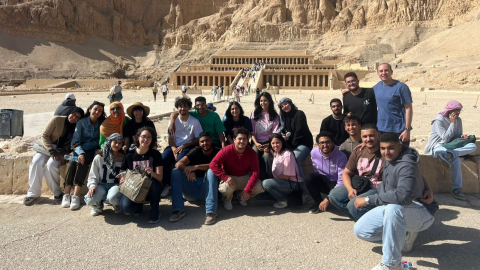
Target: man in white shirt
x,y
184,90
187,130
164,92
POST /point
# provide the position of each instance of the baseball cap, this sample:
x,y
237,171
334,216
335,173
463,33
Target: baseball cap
x,y
70,96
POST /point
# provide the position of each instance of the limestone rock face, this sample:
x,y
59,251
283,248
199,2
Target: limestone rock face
x,y
186,24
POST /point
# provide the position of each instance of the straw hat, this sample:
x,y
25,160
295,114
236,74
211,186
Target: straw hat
x,y
146,109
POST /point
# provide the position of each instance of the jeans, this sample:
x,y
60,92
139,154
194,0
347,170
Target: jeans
x,y
202,189
110,192
456,169
301,153
128,207
388,224
278,188
318,184
169,158
339,198
36,172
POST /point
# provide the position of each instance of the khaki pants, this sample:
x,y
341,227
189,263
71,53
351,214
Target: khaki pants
x,y
242,181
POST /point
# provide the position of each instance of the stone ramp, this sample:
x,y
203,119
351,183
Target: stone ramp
x,y
64,84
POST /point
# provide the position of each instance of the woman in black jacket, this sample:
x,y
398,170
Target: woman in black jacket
x,y
294,128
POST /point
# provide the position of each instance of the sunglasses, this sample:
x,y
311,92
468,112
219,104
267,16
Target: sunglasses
x,y
116,109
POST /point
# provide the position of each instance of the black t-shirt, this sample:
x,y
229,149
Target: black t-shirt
x,y
336,127
132,127
196,157
363,105
133,159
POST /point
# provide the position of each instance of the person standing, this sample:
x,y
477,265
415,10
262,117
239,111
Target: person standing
x,y
155,91
116,92
334,122
165,91
67,106
359,101
394,101
214,92
184,90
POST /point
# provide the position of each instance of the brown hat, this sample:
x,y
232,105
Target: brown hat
x,y
146,109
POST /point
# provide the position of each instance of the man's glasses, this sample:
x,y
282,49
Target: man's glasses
x,y
325,143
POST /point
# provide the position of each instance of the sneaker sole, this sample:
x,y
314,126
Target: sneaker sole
x,y
29,202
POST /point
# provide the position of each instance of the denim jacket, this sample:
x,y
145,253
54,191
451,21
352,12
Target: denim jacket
x,y
87,134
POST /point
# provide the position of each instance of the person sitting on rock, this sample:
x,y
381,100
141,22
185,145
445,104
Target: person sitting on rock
x,y
328,163
237,168
446,127
404,204
353,127
191,181
138,112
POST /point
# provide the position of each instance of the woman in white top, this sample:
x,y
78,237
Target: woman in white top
x,y
102,182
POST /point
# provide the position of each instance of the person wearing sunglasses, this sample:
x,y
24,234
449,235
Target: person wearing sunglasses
x,y
113,123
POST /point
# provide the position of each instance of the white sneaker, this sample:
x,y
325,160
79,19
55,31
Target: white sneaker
x,y
228,205
409,240
116,209
75,204
165,191
382,266
66,200
95,211
280,205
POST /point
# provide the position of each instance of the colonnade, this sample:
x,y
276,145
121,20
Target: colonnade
x,y
204,80
297,80
267,60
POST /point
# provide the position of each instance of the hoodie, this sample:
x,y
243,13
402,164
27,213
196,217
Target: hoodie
x,y
66,108
443,131
332,166
402,181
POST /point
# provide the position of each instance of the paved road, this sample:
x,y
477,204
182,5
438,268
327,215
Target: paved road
x,y
254,237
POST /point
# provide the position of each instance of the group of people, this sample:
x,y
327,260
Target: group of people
x,y
362,163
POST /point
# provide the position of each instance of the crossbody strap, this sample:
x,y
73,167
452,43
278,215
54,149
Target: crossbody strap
x,y
374,167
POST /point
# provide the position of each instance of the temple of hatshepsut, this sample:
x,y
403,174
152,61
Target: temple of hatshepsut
x,y
281,70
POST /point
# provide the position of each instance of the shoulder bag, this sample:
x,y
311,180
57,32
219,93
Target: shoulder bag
x,y
137,184
362,184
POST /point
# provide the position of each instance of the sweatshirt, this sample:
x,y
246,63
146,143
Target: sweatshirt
x,y
443,131
229,162
296,123
66,108
402,181
332,166
101,175
347,147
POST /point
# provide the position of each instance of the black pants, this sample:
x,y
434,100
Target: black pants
x,y
76,172
154,95
317,184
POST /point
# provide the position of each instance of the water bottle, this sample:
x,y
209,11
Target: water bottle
x,y
406,265
72,158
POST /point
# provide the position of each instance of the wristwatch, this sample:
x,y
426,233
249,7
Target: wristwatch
x,y
408,129
367,200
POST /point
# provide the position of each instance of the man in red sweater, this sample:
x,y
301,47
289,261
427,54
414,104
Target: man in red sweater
x,y
237,168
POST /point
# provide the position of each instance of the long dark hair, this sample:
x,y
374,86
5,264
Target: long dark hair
x,y
280,137
229,116
257,113
152,132
144,116
103,116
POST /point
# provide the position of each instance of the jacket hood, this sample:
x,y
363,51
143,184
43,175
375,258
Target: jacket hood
x,y
68,102
409,155
332,155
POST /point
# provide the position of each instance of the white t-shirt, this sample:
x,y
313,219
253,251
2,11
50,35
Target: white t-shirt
x,y
186,132
164,88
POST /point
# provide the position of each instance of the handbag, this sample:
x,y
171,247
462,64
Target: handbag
x,y
361,183
294,199
137,184
38,147
458,142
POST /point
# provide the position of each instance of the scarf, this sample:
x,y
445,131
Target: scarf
x,y
107,151
451,105
113,124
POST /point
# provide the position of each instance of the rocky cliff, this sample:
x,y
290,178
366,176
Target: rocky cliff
x,y
188,23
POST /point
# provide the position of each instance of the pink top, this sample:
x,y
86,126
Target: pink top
x,y
285,163
263,127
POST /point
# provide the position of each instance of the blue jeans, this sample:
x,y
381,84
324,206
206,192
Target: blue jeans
x,y
202,189
110,192
339,198
456,169
169,158
128,207
301,153
278,188
389,224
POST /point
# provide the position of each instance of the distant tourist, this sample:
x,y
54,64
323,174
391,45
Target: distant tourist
x,y
155,91
359,101
184,90
214,92
116,92
446,127
165,91
67,106
394,101
257,92
334,122
237,95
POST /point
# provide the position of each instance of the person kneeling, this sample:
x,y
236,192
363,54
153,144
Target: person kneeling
x,y
102,181
190,178
404,204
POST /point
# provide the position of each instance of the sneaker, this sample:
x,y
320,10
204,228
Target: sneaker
x,y
445,159
176,216
210,219
314,209
280,205
28,200
58,197
458,194
95,211
153,220
165,191
409,239
116,209
107,202
228,205
66,200
75,204
382,266
239,197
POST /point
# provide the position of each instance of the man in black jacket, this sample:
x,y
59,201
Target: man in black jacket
x,y
67,106
334,123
